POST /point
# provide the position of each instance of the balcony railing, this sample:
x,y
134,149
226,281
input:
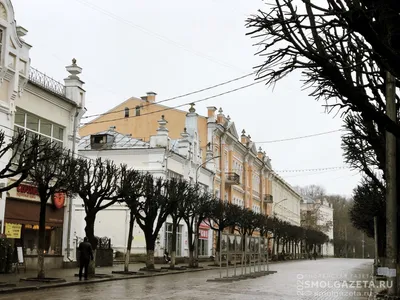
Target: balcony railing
x,y
46,82
232,178
268,198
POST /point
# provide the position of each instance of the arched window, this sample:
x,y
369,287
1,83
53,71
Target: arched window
x,y
137,110
126,112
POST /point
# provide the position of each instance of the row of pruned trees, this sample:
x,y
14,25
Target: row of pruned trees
x,y
102,183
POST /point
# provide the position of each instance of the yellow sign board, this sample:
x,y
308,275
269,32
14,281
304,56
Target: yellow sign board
x,y
13,231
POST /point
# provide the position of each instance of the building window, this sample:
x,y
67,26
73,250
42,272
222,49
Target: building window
x,y
33,124
137,110
126,111
168,239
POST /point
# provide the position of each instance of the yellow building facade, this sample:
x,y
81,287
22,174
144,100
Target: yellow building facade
x,y
243,175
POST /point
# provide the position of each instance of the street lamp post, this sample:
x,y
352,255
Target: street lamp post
x,y
196,234
273,206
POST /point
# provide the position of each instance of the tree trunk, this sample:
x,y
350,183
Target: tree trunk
x,y
89,230
277,247
150,246
173,246
191,247
129,244
216,258
42,238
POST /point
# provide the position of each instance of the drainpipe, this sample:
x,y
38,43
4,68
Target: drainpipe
x,y
70,200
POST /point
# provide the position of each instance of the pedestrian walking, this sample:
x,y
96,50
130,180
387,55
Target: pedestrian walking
x,y
86,255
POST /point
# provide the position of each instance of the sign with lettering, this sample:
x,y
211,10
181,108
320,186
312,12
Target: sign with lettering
x,y
13,231
203,234
24,191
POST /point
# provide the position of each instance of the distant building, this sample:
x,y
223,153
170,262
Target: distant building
x,y
286,201
162,157
318,214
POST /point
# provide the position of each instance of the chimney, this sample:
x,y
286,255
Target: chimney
x,y
211,114
260,154
244,139
151,96
161,139
184,144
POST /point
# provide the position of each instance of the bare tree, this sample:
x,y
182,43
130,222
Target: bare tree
x,y
51,172
195,209
152,212
130,190
97,184
313,191
24,151
335,60
178,191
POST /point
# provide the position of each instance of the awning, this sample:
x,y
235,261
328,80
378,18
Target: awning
x,y
27,212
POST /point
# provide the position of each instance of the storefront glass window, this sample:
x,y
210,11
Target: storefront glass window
x,y
168,239
29,240
203,247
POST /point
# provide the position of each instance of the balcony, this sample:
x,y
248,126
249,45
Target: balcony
x,y
46,82
268,198
231,178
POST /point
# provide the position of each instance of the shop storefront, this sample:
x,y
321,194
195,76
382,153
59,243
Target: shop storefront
x,y
22,224
203,239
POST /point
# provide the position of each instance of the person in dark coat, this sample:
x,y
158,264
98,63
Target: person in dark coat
x,y
86,255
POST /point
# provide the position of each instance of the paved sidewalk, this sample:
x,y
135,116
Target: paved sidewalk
x,y
70,279
330,279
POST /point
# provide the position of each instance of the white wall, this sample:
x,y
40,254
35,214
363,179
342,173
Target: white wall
x,y
113,222
288,210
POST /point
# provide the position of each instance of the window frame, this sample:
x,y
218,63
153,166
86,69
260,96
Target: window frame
x,y
26,129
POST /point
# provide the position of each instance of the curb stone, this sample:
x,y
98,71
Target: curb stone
x,y
73,283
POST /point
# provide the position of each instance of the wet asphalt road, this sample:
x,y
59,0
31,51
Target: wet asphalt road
x,y
322,279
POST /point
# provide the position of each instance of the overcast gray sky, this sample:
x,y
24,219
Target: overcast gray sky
x,y
127,48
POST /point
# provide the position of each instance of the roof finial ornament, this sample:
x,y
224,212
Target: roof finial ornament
x,y
74,61
259,149
228,118
243,132
220,110
192,109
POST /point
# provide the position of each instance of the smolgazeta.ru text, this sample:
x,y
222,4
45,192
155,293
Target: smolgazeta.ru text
x,y
355,284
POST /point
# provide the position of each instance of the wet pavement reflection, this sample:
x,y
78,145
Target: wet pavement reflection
x,y
283,285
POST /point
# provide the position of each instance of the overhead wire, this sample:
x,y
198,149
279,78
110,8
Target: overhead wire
x,y
287,170
177,97
177,106
299,137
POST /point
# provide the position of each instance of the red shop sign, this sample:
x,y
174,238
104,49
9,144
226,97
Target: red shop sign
x,y
203,234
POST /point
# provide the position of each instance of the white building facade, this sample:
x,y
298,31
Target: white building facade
x,y
163,158
37,104
286,204
323,212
